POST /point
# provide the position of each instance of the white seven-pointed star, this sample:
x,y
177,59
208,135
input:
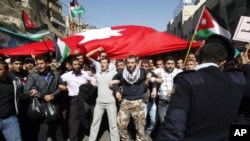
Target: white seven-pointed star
x,y
203,21
102,33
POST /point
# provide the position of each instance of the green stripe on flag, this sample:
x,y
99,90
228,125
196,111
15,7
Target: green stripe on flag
x,y
38,36
205,33
75,10
35,37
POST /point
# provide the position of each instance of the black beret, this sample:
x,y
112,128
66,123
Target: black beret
x,y
224,42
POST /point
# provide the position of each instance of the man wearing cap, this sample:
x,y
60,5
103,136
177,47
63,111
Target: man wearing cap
x,y
205,101
29,64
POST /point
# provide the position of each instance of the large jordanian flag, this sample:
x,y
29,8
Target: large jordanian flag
x,y
210,24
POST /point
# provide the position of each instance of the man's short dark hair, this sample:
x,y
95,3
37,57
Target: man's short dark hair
x,y
216,44
145,61
213,52
5,65
42,57
15,58
73,59
105,58
169,58
119,61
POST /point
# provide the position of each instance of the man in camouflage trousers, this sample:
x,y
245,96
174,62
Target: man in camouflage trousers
x,y
132,80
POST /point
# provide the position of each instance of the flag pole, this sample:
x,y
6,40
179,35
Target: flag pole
x,y
71,21
192,39
71,24
189,48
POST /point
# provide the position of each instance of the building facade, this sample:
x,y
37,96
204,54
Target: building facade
x,y
40,12
229,10
181,25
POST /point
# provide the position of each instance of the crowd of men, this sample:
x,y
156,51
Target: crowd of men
x,y
197,98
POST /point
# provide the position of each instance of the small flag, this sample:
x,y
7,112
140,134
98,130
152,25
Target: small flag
x,y
210,23
31,36
26,21
37,34
76,9
62,50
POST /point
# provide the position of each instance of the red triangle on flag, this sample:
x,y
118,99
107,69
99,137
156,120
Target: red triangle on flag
x,y
205,20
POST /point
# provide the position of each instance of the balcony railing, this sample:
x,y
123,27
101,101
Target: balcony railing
x,y
44,2
55,20
55,8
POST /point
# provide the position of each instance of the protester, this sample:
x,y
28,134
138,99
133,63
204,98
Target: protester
x,y
159,63
151,64
95,63
244,111
190,64
132,80
17,68
44,84
205,102
167,73
53,64
104,102
149,102
191,55
16,63
120,64
73,80
179,63
11,88
29,65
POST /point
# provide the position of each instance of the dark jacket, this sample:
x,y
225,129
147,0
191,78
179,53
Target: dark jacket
x,y
18,90
131,91
37,81
244,110
203,105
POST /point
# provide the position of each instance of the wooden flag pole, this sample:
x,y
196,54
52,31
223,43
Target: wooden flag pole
x,y
189,48
190,44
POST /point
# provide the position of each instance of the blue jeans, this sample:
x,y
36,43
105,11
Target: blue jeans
x,y
150,108
162,109
10,128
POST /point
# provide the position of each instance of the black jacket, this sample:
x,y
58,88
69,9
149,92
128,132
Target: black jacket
x,y
132,91
86,102
203,105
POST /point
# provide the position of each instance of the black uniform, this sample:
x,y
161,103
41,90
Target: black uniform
x,y
203,105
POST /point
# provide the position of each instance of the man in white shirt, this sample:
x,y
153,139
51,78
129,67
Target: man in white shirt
x,y
74,79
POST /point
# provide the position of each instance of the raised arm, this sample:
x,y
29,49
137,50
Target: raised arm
x,y
91,53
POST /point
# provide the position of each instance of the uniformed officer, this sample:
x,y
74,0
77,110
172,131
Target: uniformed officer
x,y
205,101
